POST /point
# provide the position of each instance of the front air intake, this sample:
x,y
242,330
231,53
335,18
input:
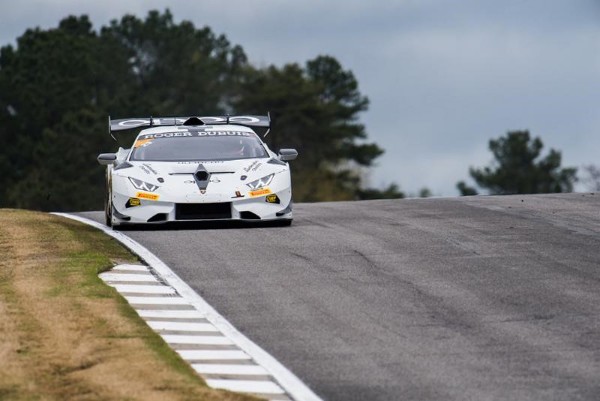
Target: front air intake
x,y
158,217
249,216
202,175
203,211
193,121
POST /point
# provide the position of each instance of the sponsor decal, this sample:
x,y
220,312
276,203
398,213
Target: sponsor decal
x,y
146,195
223,133
195,133
145,169
164,135
149,167
272,198
204,161
142,142
155,121
254,164
259,192
133,122
132,202
232,119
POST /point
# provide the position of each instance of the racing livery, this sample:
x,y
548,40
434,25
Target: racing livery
x,y
197,168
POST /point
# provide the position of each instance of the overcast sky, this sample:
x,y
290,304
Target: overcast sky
x,y
443,76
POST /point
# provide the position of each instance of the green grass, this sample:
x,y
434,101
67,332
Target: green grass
x,y
66,334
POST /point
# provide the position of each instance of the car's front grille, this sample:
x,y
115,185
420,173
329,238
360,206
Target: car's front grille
x,y
202,211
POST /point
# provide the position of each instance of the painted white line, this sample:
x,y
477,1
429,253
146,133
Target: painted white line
x,y
170,314
196,355
157,301
200,340
119,277
294,386
177,326
144,289
131,268
246,386
217,369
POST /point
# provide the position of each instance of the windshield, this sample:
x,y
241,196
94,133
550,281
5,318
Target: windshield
x,y
185,146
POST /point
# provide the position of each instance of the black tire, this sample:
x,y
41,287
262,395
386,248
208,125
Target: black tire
x,y
108,205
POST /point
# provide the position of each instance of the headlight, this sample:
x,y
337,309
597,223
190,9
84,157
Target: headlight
x,y
261,182
144,186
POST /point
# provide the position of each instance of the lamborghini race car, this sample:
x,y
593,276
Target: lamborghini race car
x,y
197,168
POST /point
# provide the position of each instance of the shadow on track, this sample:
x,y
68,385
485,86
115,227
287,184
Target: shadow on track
x,y
201,225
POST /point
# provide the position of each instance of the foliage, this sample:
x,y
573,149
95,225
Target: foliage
x,y
175,69
51,74
518,167
57,87
464,189
591,178
391,192
314,110
425,192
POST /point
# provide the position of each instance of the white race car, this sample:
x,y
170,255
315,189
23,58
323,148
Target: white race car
x,y
197,168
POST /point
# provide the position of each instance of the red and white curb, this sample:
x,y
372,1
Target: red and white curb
x,y
223,356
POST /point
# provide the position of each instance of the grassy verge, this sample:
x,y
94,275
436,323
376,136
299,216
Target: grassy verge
x,y
64,334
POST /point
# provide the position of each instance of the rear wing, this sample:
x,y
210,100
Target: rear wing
x,y
132,123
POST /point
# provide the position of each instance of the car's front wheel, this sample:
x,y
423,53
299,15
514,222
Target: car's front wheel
x,y
108,205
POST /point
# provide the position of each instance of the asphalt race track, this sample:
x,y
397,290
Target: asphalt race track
x,y
478,298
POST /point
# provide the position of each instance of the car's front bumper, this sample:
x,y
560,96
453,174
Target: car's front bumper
x,y
136,207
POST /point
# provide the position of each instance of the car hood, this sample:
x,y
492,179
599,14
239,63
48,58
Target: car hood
x,y
245,170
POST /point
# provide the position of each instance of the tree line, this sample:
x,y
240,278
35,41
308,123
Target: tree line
x,y
519,168
57,87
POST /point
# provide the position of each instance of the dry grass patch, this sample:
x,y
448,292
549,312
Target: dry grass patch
x,y
64,334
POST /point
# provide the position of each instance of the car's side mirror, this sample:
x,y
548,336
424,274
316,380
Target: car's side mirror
x,y
287,154
107,158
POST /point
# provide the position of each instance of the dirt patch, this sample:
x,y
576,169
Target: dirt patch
x,y
65,334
